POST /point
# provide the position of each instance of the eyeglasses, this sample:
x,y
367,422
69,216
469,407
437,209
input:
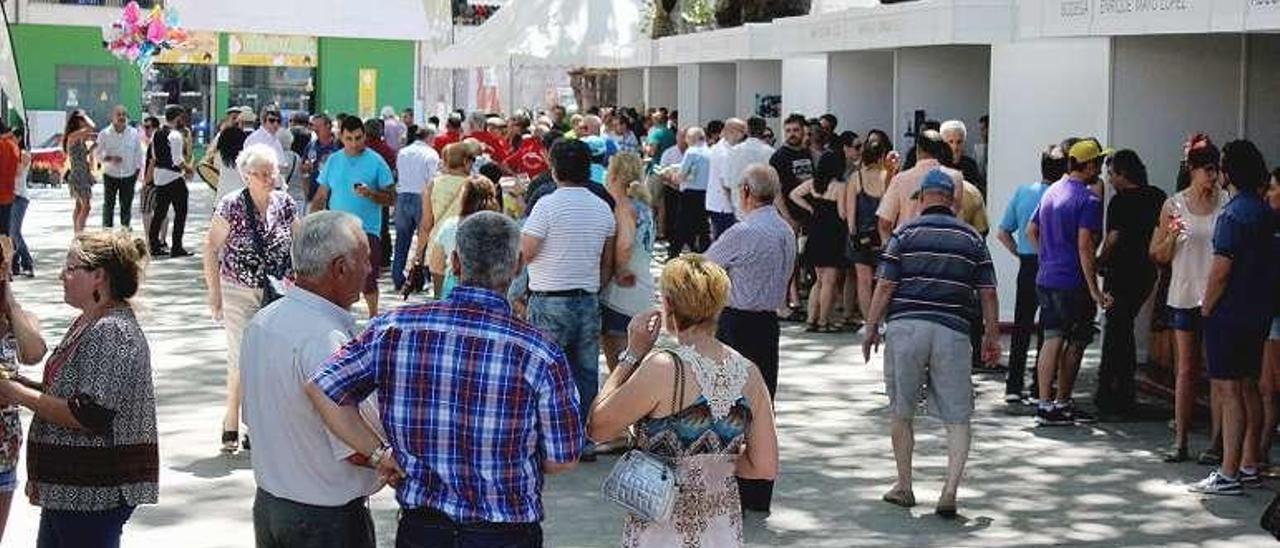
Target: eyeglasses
x,y
262,174
272,120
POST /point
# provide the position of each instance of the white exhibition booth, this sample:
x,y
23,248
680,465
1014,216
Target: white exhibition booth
x,y
1135,74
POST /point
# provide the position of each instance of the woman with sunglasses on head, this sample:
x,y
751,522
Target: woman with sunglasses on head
x,y
77,144
248,243
91,449
1183,239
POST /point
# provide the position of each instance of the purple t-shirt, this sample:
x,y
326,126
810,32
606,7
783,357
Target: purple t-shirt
x,y
1065,208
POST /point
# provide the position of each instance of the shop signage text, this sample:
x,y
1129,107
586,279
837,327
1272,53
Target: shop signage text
x,y
270,50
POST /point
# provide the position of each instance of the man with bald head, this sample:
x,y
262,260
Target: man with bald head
x,y
723,178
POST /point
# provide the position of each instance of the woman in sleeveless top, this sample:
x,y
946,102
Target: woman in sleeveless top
x,y
77,144
230,143
713,430
20,343
866,187
632,288
1184,240
442,199
825,247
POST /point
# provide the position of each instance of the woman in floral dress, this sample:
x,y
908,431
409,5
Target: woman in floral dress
x,y
20,342
714,428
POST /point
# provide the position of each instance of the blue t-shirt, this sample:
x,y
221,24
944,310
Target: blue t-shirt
x,y
696,168
340,174
1244,235
1018,215
1066,208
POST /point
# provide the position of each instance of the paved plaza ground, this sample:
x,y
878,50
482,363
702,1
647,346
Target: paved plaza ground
x,y
1102,485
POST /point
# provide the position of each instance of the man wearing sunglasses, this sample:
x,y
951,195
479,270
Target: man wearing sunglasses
x,y
266,134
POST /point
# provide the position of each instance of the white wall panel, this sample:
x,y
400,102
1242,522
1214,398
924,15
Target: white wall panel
x,y
688,93
804,87
717,92
860,90
949,82
758,78
660,87
630,87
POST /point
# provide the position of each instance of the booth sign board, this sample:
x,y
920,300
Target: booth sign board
x,y
201,48
272,50
367,93
1062,18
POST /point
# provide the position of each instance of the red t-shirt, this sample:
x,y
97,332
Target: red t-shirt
x,y
530,159
10,159
497,146
448,138
384,150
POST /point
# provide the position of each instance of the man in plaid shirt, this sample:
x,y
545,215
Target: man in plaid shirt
x,y
477,404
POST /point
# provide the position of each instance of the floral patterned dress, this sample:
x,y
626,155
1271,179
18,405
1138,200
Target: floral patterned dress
x,y
703,440
10,423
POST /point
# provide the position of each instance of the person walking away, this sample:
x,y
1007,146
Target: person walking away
x,y
1237,313
451,450
308,479
668,168
1184,240
77,144
631,291
247,246
22,263
1012,234
759,253
1130,276
92,445
231,141
120,152
822,197
441,201
358,182
10,168
901,203
719,204
931,270
20,343
719,426
418,165
1066,229
692,230
567,243
171,171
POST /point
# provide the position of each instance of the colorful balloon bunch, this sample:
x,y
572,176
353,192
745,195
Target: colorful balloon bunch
x,y
138,37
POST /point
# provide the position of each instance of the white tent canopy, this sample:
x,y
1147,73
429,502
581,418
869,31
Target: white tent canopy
x,y
550,33
9,68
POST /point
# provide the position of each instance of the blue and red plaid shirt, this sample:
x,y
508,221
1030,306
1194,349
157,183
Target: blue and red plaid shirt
x,y
473,400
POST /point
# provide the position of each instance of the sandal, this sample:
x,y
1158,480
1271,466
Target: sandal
x,y
828,329
1210,457
230,441
1177,454
905,499
813,328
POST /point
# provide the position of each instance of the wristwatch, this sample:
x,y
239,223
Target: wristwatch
x,y
628,358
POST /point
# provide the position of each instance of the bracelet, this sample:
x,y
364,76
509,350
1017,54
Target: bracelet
x,y
375,458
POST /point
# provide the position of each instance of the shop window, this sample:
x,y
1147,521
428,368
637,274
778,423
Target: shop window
x,y
96,90
290,88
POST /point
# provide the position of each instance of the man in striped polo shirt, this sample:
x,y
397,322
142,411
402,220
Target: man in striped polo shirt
x,y
931,269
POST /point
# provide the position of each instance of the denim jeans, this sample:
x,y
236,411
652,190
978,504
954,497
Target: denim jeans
x,y
574,324
282,523
22,255
74,529
432,530
408,217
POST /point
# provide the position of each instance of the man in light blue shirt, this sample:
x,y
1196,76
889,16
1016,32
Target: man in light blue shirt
x,y
358,182
692,229
1013,234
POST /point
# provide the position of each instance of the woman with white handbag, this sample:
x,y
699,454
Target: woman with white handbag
x,y
694,438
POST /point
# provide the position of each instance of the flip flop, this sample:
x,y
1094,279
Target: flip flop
x,y
899,498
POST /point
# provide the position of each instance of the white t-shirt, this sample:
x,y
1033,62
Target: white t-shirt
x,y
261,136
416,164
744,155
294,455
717,193
573,225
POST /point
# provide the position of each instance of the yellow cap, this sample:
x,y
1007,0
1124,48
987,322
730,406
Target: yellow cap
x,y
1087,150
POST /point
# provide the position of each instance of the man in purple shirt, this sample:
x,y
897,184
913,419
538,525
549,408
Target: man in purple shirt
x,y
1067,228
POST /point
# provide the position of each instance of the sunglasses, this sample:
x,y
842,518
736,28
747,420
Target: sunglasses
x,y
272,120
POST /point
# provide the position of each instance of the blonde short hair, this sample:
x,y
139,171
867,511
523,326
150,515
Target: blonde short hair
x,y
456,156
627,166
696,290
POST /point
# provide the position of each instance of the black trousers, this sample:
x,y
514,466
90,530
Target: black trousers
x,y
692,229
123,188
282,523
754,335
671,205
1024,322
6,214
429,528
174,194
1119,348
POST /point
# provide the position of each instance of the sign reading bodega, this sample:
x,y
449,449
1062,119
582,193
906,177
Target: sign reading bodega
x,y
1106,7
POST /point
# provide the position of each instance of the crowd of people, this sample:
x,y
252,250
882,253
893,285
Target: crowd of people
x,y
534,237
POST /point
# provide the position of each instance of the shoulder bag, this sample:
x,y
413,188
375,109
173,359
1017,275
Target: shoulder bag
x,y
270,293
643,483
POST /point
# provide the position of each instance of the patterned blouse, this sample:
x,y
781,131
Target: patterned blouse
x,y
116,463
241,261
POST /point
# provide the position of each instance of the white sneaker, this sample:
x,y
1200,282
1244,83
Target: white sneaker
x,y
1012,398
1217,484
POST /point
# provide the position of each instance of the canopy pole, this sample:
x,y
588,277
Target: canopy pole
x,y
511,85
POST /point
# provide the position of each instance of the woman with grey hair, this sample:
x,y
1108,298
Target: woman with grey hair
x,y
249,243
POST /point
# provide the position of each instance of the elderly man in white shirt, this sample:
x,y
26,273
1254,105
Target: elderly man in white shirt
x,y
720,184
745,154
417,165
120,151
308,479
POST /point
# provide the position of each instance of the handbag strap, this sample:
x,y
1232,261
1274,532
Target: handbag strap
x,y
259,240
677,389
